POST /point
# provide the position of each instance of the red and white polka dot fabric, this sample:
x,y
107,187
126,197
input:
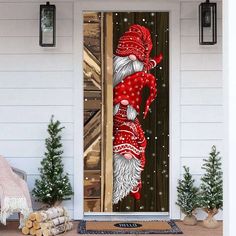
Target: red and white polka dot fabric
x,y
131,87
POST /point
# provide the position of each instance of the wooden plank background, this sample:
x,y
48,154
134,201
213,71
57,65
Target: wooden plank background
x,y
155,177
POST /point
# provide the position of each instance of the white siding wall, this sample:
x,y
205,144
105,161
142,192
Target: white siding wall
x,y
201,92
35,82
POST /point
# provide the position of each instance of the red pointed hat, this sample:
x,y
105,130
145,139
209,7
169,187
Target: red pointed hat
x,y
131,87
137,41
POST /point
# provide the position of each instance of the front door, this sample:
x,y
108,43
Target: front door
x,y
126,112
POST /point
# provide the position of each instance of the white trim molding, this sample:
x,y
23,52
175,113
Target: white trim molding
x,y
173,7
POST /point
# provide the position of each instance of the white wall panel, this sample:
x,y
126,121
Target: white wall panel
x,y
20,11
201,96
35,114
199,148
190,44
201,131
202,79
201,92
202,114
28,97
29,131
30,28
31,148
30,45
36,82
36,79
36,62
31,165
201,62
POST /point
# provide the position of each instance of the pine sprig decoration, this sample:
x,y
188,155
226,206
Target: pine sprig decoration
x,y
187,198
53,184
211,188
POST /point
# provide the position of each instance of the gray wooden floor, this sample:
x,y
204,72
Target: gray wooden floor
x,y
12,230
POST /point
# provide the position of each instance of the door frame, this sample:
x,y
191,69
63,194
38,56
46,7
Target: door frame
x,y
173,7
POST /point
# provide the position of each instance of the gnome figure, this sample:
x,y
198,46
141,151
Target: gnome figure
x,y
131,64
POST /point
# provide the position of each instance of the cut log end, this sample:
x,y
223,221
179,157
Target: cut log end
x,y
32,231
29,224
39,232
38,217
36,225
25,230
32,216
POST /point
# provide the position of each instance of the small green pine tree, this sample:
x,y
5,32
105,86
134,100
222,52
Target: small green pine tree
x,y
187,193
53,185
211,188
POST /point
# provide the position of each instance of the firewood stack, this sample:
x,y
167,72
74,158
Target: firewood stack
x,y
51,222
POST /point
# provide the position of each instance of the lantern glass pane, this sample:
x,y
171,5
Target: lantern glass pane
x,y
207,25
47,27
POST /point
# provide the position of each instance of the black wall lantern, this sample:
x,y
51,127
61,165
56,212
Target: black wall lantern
x,y
207,23
47,25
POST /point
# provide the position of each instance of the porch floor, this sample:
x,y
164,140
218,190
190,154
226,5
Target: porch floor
x,y
12,230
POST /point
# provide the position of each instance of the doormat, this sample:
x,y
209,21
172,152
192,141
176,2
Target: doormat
x,y
128,227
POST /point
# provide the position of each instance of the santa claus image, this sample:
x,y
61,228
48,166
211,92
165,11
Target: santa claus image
x,y
131,65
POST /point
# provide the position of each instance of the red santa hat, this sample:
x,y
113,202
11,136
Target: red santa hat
x,y
131,87
137,41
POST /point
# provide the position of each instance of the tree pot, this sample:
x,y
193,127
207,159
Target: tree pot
x,y
210,222
190,220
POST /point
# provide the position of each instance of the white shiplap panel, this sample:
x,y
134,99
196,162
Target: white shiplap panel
x,y
30,10
201,114
31,165
36,97
27,131
202,96
193,131
202,79
30,28
30,45
190,44
36,62
35,114
201,62
23,79
29,148
194,164
189,27
199,148
189,10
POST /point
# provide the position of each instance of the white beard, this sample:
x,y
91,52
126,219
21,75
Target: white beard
x,y
124,66
126,176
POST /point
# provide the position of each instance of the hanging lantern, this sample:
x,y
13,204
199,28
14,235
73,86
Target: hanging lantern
x,y
207,23
47,25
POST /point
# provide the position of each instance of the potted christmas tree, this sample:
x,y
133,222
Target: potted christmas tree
x,y
211,188
187,197
53,185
